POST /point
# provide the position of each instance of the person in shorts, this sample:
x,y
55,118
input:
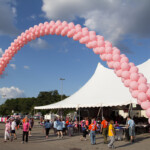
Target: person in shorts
x,y
131,126
13,132
64,126
59,127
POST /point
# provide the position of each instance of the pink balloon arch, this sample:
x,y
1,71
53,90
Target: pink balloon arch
x,y
129,73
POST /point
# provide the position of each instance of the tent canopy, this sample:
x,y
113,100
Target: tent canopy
x,y
102,90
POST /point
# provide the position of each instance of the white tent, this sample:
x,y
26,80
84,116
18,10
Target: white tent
x,y
103,89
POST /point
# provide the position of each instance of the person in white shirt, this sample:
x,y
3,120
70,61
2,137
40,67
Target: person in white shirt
x,y
13,132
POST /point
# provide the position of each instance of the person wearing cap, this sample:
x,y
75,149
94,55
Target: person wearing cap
x,y
104,129
84,130
93,128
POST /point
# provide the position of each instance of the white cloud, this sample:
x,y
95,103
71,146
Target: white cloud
x,y
13,66
12,92
39,44
1,52
114,19
26,67
7,17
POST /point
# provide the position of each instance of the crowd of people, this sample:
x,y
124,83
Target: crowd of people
x,y
66,126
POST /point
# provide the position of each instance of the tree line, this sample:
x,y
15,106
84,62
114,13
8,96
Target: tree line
x,y
26,105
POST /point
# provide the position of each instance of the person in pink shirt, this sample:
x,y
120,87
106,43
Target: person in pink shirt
x,y
7,131
25,130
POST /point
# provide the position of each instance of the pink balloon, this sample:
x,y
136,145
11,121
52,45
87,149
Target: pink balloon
x,y
116,51
122,79
64,31
126,74
93,44
101,50
103,57
117,65
77,36
116,57
78,28
124,59
142,96
148,92
148,112
142,87
110,64
71,33
139,102
135,93
125,66
145,105
134,76
134,69
119,73
127,83
96,50
100,38
84,40
108,50
108,57
108,44
131,64
64,23
133,85
93,37
142,80
100,43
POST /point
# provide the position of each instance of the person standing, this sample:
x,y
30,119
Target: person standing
x,y
47,126
7,131
111,134
25,130
59,127
13,132
64,127
104,129
55,126
131,126
93,128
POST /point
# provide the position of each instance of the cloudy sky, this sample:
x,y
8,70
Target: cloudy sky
x,y
39,65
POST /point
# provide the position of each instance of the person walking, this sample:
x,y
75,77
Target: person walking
x,y
25,130
47,126
111,134
131,126
104,129
93,128
7,131
84,130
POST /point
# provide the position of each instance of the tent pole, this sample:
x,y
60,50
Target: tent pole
x,y
102,113
99,112
79,120
131,112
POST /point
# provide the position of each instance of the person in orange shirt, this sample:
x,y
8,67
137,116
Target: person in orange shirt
x,y
93,128
104,129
